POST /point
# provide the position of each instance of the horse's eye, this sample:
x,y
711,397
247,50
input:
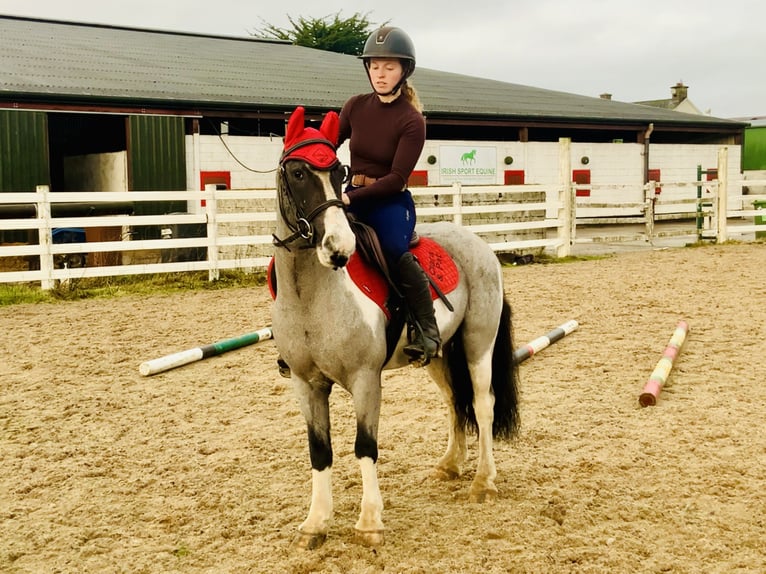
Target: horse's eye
x,y
298,174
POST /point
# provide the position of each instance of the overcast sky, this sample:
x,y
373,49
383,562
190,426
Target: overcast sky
x,y
635,50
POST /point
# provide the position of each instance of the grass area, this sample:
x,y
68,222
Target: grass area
x,y
547,259
107,287
512,260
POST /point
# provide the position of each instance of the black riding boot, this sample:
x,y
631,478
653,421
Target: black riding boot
x,y
413,282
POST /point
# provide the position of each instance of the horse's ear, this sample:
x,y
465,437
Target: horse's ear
x,y
330,127
294,126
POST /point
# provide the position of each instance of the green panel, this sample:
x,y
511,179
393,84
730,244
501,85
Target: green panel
x,y
23,150
754,149
157,159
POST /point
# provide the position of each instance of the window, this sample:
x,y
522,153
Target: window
x,y
418,178
513,177
581,177
221,179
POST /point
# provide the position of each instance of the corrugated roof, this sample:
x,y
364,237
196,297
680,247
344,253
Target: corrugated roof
x,y
77,62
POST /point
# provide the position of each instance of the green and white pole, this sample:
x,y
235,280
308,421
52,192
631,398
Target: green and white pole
x,y
181,358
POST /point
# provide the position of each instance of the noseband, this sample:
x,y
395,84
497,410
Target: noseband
x,y
302,227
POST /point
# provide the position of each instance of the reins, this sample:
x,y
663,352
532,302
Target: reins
x,y
303,227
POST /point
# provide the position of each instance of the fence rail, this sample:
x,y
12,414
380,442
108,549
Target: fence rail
x,y
237,224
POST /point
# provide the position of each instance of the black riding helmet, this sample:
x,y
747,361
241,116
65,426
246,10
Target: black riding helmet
x,y
390,42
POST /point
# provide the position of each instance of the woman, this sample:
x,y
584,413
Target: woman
x,y
387,131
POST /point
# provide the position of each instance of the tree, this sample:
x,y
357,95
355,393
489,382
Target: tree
x,y
331,33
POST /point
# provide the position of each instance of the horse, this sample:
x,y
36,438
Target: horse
x,y
330,333
469,157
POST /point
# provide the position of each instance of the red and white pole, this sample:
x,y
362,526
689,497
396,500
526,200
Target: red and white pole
x,y
661,372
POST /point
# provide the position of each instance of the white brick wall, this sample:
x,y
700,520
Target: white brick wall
x,y
610,163
615,164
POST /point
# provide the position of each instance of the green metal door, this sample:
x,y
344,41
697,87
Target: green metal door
x,y
754,148
23,150
156,159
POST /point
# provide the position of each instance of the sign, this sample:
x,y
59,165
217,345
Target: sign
x,y
468,164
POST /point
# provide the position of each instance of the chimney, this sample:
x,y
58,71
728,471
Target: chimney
x,y
605,96
679,92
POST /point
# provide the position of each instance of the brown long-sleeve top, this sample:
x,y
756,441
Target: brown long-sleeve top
x,y
385,142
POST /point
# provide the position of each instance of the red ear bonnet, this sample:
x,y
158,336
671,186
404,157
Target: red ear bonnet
x,y
316,146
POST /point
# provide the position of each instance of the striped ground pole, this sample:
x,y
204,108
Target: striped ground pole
x,y
181,358
537,345
661,372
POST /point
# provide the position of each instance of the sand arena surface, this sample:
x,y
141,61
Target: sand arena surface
x,y
205,468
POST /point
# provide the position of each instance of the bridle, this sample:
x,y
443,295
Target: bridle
x,y
302,227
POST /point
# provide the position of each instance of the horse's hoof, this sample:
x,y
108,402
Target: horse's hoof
x,y
440,473
371,538
306,541
483,495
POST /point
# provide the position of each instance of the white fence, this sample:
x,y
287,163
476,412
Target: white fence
x,y
510,218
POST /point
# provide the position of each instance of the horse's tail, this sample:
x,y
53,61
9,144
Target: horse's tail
x,y
505,422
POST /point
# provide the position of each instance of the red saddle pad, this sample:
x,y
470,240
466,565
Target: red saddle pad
x,y
434,259
436,262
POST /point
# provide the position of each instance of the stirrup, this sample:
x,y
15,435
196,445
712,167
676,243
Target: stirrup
x,y
284,368
416,351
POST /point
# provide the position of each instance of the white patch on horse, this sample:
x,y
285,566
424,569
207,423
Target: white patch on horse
x,y
339,239
370,519
372,314
320,512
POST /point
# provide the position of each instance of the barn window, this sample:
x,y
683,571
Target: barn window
x,y
513,177
221,179
418,178
656,175
581,177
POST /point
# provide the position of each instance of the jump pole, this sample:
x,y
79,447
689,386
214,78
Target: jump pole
x,y
181,358
661,372
525,351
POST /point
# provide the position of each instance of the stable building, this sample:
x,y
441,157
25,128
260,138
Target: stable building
x,y
87,107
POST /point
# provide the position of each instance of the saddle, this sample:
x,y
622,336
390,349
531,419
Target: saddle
x,y
369,271
440,269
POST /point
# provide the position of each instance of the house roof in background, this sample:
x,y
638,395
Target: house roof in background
x,y
667,104
45,61
754,121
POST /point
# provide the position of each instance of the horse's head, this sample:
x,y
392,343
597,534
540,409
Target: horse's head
x,y
309,187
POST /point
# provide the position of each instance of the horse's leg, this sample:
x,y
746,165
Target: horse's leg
x,y
314,404
483,485
366,391
450,465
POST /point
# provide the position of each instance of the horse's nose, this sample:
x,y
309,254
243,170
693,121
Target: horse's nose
x,y
338,260
338,247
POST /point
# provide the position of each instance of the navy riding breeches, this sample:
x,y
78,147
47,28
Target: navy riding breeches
x,y
392,218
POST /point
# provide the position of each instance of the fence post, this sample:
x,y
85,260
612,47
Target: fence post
x,y
650,198
45,238
722,200
457,203
566,212
211,211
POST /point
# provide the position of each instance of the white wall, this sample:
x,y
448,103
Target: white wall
x,y
679,164
609,163
257,153
96,172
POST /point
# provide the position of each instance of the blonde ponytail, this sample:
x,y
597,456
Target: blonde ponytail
x,y
411,94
